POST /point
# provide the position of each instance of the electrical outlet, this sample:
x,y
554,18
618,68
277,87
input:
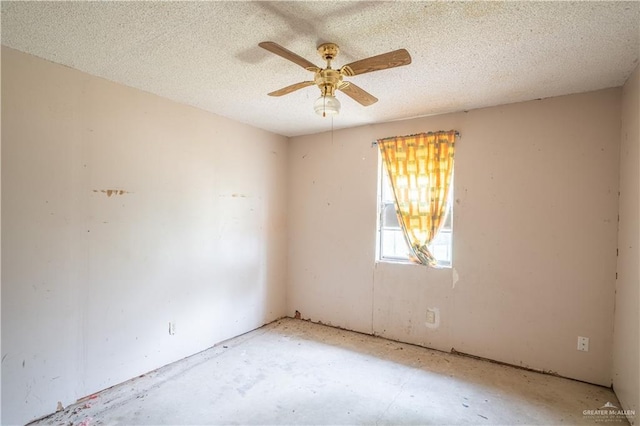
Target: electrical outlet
x,y
583,344
431,316
172,328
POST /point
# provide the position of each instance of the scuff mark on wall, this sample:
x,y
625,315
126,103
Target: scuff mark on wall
x,y
111,192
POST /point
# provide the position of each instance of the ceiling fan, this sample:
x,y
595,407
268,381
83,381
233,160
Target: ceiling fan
x,y
329,80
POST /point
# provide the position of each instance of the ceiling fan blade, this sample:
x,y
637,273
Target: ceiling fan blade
x,y
397,58
357,94
292,88
287,54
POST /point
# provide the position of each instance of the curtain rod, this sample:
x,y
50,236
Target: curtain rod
x,y
375,143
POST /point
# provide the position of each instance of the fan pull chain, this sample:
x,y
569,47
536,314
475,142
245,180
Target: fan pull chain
x,y
332,130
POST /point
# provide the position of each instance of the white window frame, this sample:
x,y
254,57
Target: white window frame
x,y
441,247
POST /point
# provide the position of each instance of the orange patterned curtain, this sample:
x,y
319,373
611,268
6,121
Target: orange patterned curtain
x,y
421,169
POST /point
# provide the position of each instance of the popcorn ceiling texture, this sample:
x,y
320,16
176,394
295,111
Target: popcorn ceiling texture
x,y
466,55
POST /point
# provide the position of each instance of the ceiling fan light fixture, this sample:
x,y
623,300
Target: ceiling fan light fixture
x,y
327,105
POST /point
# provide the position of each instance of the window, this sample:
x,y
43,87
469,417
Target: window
x,y
392,245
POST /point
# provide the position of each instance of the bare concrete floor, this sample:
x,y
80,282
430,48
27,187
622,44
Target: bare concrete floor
x,y
293,372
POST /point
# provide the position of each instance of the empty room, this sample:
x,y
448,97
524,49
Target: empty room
x,y
320,213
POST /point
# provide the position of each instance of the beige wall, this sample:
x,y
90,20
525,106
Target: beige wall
x,y
90,281
534,249
626,353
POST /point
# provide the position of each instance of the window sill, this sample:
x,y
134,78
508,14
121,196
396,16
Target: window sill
x,y
410,263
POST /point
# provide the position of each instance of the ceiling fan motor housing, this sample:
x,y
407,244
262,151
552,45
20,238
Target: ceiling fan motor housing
x,y
328,80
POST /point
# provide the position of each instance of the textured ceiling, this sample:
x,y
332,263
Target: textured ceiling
x,y
465,54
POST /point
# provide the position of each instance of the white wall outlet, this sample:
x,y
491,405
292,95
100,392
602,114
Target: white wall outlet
x,y
583,344
172,328
431,317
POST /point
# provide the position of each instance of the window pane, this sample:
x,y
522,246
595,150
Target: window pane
x,y
447,220
387,192
389,217
393,245
441,247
